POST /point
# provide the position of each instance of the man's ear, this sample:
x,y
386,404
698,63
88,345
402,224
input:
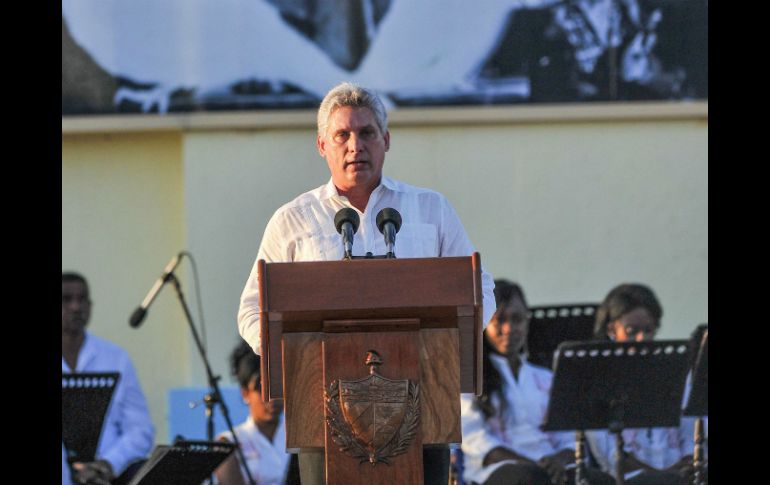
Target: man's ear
x,y
321,145
386,137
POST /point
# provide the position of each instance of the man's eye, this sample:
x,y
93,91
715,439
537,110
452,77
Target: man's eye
x,y
68,299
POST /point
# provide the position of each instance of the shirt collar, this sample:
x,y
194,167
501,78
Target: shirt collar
x,y
85,355
329,190
501,362
388,183
252,426
502,358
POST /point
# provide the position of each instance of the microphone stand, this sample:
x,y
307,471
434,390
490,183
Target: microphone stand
x,y
214,396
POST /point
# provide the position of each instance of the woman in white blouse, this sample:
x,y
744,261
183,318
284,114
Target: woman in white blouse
x,y
502,439
631,312
262,436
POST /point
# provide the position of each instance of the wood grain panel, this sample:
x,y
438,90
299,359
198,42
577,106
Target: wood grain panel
x,y
303,386
440,374
478,325
378,325
311,320
275,364
466,329
264,350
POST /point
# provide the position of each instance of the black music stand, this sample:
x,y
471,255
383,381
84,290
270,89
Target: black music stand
x,y
550,325
85,398
182,463
698,400
616,385
698,404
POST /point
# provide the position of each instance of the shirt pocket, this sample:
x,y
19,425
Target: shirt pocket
x,y
417,240
323,247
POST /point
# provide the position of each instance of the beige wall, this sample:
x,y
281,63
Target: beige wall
x,y
567,205
572,209
234,182
122,220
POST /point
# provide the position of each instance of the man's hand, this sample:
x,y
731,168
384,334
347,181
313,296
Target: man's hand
x,y
554,464
97,472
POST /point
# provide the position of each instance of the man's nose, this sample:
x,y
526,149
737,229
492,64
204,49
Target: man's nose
x,y
355,143
74,304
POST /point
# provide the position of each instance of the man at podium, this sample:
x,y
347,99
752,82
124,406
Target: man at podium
x,y
353,137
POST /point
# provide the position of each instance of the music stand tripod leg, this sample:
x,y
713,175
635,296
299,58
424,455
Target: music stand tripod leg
x,y
698,452
580,458
621,454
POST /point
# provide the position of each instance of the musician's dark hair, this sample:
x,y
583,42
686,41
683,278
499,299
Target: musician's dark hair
x,y
245,365
70,276
624,299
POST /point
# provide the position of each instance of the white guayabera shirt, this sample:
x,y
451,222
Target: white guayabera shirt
x,y
303,230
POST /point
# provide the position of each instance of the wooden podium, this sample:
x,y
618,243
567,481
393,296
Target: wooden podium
x,y
420,319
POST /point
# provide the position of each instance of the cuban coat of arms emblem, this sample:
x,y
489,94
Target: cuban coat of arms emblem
x,y
374,418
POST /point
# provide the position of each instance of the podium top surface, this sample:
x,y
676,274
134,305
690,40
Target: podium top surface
x,y
391,288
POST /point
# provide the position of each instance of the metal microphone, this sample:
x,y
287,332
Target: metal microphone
x,y
141,311
346,222
389,222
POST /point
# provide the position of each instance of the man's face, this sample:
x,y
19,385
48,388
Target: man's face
x,y
508,329
75,307
354,148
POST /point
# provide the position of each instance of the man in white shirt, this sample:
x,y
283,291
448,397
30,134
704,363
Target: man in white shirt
x,y
353,137
127,434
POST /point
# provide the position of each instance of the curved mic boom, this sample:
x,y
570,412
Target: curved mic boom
x,y
141,311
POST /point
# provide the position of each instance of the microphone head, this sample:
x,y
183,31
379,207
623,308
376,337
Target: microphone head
x,y
346,215
388,214
137,317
